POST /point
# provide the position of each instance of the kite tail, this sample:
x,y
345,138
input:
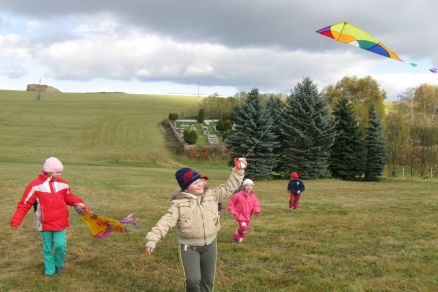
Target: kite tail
x,y
129,220
104,234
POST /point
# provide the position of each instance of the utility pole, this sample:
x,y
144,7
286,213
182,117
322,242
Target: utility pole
x,y
39,91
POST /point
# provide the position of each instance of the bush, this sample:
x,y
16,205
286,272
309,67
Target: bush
x,y
201,116
226,134
224,125
173,116
190,136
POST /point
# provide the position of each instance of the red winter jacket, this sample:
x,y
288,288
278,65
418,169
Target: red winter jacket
x,y
50,197
243,205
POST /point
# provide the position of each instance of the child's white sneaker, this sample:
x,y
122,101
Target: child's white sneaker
x,y
240,240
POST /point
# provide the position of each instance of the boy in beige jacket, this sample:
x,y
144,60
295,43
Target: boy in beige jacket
x,y
195,214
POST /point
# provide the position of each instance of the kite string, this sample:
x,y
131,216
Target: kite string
x,y
255,144
269,127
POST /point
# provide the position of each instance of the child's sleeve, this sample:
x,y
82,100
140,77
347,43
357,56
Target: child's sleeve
x,y
70,199
227,189
27,200
163,225
232,203
257,206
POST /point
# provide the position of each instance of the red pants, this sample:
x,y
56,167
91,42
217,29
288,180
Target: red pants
x,y
293,202
240,232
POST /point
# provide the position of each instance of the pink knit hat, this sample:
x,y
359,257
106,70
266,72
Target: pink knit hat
x,y
52,164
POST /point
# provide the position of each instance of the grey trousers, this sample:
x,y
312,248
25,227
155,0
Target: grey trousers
x,y
199,263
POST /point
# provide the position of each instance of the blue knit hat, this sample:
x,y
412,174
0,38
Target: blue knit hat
x,y
185,176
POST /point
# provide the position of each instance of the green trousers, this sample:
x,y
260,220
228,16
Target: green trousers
x,y
199,263
54,249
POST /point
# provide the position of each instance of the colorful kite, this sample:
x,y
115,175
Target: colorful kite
x,y
347,33
101,226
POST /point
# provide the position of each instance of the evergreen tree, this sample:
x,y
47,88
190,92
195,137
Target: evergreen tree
x,y
252,137
275,108
201,116
347,153
376,151
190,136
308,132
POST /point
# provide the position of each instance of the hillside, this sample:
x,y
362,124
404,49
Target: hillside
x,y
103,128
346,236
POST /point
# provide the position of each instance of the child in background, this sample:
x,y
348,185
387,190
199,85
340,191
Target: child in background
x,y
49,195
242,205
194,212
295,188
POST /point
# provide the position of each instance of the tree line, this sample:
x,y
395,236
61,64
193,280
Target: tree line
x,y
345,131
303,134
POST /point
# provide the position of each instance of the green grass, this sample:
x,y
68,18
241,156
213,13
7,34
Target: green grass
x,y
86,128
346,236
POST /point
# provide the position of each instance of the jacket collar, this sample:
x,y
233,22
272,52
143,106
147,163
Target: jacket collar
x,y
181,195
47,178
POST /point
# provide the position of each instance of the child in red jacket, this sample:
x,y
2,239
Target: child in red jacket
x,y
242,205
49,195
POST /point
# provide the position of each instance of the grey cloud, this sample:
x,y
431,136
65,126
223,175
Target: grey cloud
x,y
284,31
286,24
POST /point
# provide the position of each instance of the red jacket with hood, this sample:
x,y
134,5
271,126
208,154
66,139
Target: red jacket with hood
x,y
50,197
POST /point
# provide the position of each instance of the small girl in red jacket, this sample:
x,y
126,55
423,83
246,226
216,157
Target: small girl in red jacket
x,y
49,195
242,205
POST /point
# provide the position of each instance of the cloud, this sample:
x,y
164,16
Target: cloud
x,y
13,46
283,23
34,25
13,71
247,43
149,57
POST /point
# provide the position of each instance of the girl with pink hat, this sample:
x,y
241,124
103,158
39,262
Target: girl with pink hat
x,y
49,195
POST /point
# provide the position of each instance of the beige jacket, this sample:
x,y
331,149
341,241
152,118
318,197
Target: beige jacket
x,y
196,219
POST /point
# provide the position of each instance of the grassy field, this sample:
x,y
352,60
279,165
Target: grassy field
x,y
347,236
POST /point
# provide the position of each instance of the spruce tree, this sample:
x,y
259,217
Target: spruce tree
x,y
376,151
347,157
308,132
275,108
252,137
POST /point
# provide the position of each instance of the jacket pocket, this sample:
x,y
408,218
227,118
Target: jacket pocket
x,y
211,206
185,220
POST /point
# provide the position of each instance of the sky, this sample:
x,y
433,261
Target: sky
x,y
210,47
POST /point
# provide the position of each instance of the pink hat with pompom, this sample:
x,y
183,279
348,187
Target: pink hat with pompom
x,y
52,164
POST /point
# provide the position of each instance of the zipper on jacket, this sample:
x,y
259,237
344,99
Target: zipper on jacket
x,y
52,189
203,221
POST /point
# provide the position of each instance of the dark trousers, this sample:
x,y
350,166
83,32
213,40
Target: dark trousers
x,y
199,263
